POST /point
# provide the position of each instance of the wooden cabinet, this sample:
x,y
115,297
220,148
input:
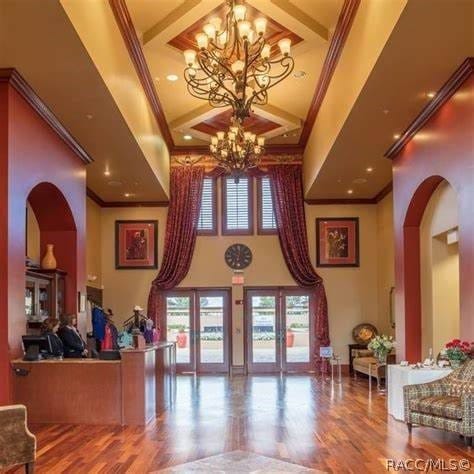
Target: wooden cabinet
x,y
44,296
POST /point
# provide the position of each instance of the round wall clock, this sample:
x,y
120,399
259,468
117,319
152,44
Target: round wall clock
x,y
238,256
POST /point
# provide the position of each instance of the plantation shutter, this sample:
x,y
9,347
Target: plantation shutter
x,y
207,213
237,204
268,214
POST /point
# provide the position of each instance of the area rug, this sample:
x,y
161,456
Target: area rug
x,y
238,462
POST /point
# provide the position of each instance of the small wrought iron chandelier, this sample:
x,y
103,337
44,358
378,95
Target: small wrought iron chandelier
x,y
234,65
237,151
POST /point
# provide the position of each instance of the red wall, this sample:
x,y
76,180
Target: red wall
x,y
442,149
34,153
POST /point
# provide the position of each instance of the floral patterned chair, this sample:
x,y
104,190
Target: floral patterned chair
x,y
446,404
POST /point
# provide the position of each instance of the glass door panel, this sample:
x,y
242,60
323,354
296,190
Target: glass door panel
x,y
296,322
180,328
263,329
213,334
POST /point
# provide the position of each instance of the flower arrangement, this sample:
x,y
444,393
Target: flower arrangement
x,y
381,346
458,351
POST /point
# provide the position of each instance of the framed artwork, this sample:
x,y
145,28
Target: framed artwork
x,y
337,242
136,245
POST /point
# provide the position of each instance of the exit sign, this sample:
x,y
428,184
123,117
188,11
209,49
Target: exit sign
x,y
237,279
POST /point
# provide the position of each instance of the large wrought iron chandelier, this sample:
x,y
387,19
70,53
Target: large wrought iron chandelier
x,y
234,65
237,150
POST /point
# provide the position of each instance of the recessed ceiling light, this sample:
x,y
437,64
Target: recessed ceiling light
x,y
285,135
172,77
106,173
89,116
299,74
187,137
396,136
127,195
386,111
369,169
350,191
431,94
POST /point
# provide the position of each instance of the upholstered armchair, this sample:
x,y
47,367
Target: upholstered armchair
x,y
17,444
446,404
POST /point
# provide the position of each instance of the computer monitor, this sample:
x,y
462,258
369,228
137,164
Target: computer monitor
x,y
37,347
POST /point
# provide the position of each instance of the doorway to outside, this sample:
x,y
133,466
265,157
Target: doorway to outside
x,y
279,330
199,321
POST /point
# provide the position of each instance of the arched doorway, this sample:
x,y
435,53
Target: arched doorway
x,y
418,271
56,226
439,269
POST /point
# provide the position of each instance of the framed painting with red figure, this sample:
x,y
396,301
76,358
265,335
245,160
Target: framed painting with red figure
x,y
136,245
337,242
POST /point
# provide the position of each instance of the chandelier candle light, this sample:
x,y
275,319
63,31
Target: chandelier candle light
x,y
233,65
237,151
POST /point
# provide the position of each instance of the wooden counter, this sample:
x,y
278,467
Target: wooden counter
x,y
90,391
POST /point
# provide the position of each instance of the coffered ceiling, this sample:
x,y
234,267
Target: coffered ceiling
x,y
365,68
166,28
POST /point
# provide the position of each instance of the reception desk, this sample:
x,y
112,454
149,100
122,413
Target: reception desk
x,y
130,391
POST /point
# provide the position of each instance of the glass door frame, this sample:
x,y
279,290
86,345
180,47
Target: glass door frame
x,y
297,366
195,365
261,367
281,364
190,366
220,367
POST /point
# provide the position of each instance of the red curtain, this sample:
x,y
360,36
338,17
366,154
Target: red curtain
x,y
181,230
288,201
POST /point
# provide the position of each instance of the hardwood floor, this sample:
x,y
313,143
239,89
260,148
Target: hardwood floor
x,y
296,419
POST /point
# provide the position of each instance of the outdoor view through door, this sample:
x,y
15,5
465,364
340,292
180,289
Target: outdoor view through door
x,y
279,330
198,321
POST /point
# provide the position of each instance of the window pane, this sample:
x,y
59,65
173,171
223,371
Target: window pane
x,y
266,206
297,329
263,329
206,215
178,321
237,204
211,319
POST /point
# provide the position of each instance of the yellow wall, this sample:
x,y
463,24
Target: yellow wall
x,y
33,236
439,271
386,262
354,294
94,243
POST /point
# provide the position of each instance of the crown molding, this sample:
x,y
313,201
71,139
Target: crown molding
x,y
130,38
459,76
16,80
338,40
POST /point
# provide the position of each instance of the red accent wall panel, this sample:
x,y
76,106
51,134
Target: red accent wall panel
x,y
442,149
33,153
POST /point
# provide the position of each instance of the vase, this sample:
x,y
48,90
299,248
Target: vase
x,y
455,363
382,357
49,260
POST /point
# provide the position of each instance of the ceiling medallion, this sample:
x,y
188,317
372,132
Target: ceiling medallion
x,y
234,65
237,151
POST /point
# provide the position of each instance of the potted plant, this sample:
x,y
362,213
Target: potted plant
x,y
457,352
182,337
381,346
290,337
